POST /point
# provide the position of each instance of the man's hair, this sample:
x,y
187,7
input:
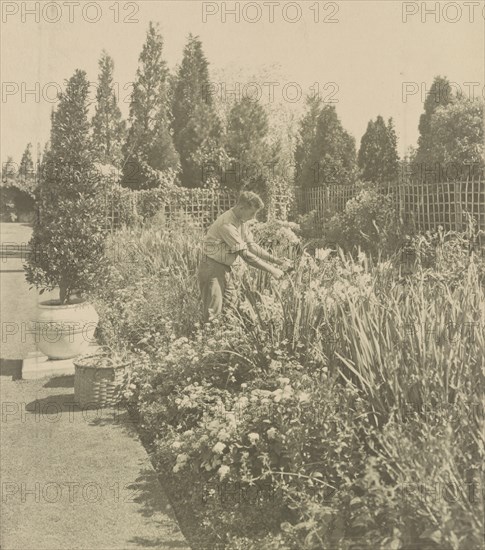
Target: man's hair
x,y
248,199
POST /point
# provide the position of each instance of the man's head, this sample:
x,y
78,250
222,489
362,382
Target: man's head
x,y
247,205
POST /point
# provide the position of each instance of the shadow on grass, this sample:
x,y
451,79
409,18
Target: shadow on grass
x,y
147,492
65,381
62,403
92,414
11,367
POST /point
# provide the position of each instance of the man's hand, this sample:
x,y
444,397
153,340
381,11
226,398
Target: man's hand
x,y
285,264
277,273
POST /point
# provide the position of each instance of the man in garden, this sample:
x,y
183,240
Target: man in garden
x,y
226,239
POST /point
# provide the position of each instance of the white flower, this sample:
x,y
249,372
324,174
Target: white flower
x,y
176,445
261,393
223,435
284,380
223,471
277,395
284,393
181,460
271,433
304,397
243,402
253,437
219,447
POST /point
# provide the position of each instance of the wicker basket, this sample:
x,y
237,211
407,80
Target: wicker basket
x,y
97,379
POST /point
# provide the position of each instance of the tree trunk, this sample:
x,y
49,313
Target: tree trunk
x,y
63,291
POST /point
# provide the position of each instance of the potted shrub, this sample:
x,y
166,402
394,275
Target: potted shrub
x,y
67,245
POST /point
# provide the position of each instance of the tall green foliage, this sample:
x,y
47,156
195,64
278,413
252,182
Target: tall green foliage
x,y
68,236
378,158
26,171
325,152
108,126
451,142
439,95
247,147
149,144
8,169
197,129
458,136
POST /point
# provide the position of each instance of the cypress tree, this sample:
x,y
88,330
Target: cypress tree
x,y
196,127
378,159
149,145
440,94
247,147
108,127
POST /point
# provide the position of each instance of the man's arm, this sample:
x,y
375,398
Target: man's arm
x,y
239,246
260,252
259,263
257,250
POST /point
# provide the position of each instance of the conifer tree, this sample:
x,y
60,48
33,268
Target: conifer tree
x,y
26,169
391,158
378,159
196,127
68,235
440,94
9,170
149,145
306,152
108,126
247,147
326,152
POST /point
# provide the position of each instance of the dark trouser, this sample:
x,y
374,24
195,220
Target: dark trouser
x,y
216,287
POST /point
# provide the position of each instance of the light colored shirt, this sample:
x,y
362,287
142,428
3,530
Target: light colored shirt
x,y
226,237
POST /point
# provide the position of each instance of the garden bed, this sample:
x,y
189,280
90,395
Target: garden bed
x,y
344,393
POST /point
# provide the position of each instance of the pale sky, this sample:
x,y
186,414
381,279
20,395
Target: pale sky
x,y
363,60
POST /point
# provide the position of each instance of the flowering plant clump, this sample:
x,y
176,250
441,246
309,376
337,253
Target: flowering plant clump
x,y
369,221
302,418
276,235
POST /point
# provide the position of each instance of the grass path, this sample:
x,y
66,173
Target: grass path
x,y
75,479
70,479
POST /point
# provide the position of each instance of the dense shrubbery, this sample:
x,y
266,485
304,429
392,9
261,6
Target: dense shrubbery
x,y
369,221
16,204
344,400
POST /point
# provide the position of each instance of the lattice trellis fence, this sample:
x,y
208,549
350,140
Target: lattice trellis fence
x,y
201,208
197,206
423,205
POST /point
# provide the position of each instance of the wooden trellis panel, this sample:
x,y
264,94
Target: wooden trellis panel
x,y
425,205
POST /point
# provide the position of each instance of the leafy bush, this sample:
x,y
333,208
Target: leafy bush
x,y
276,234
369,222
15,204
68,236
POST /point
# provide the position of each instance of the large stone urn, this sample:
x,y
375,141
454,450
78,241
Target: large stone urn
x,y
65,331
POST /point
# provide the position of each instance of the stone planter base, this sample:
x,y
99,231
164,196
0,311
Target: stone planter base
x,y
38,365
